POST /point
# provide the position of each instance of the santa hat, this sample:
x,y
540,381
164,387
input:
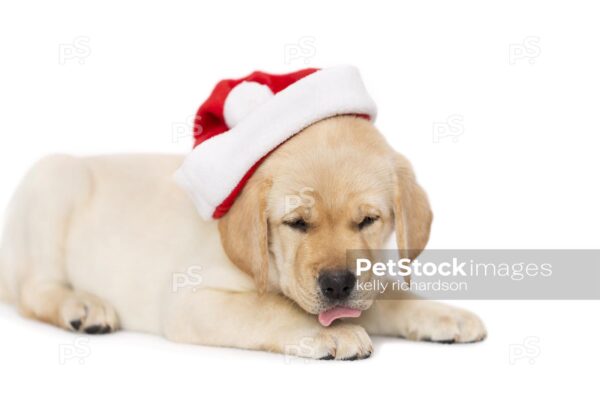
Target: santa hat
x,y
245,119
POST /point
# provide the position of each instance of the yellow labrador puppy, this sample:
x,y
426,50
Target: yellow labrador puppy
x,y
104,243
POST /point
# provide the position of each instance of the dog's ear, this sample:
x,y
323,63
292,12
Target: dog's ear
x,y
244,231
412,213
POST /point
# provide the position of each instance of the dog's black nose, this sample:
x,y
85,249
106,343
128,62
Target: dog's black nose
x,y
337,284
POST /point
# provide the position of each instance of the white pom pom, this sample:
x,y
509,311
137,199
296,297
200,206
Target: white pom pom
x,y
242,99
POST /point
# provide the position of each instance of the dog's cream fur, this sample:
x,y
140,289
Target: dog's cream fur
x,y
99,240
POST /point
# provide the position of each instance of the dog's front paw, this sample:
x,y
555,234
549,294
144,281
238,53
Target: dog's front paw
x,y
338,342
344,342
445,324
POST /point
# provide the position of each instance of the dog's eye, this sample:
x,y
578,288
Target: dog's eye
x,y
297,224
367,221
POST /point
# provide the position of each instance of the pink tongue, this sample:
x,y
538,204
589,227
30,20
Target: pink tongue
x,y
327,317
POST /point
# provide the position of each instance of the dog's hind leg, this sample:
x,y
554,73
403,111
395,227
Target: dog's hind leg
x,y
35,242
62,306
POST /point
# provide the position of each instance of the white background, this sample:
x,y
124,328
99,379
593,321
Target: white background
x,y
520,170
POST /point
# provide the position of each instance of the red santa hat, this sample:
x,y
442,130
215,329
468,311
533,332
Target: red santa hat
x,y
245,119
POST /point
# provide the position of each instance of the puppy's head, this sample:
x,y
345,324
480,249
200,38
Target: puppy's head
x,y
334,187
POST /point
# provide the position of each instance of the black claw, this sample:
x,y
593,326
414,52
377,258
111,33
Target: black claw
x,y
94,329
449,341
105,329
481,339
357,357
76,324
353,358
98,329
